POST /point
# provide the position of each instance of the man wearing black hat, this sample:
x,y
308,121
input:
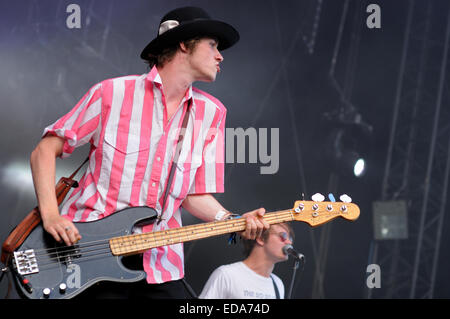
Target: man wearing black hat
x,y
133,124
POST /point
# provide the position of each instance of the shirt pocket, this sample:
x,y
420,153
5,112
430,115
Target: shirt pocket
x,y
126,144
193,163
120,154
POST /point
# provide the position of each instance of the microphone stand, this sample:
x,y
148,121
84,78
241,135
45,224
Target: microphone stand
x,y
296,264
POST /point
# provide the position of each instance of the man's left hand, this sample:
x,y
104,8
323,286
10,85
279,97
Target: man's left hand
x,y
254,224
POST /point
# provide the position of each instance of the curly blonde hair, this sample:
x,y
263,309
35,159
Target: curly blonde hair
x,y
168,53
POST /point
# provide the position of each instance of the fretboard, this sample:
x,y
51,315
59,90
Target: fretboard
x,y
134,244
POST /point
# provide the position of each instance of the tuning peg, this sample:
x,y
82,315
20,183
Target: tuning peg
x,y
331,197
345,198
299,208
317,197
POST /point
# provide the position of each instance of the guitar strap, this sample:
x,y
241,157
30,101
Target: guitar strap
x,y
277,293
175,159
23,229
76,171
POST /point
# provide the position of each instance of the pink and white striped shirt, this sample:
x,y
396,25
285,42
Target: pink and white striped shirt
x,y
132,145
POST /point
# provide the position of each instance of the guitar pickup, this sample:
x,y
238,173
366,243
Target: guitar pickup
x,y
66,254
26,262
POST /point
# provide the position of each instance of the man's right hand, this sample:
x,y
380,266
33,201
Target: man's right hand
x,y
42,162
61,229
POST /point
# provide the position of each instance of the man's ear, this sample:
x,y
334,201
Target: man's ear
x,y
259,241
183,47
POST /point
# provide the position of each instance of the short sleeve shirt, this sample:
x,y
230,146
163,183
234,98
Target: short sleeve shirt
x,y
132,146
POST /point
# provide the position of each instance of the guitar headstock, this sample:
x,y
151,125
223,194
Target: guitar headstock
x,y
316,213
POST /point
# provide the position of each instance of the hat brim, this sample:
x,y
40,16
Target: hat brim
x,y
225,33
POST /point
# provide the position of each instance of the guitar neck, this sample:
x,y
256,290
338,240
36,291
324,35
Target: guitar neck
x,y
134,244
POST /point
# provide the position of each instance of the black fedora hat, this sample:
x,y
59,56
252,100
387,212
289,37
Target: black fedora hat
x,y
186,23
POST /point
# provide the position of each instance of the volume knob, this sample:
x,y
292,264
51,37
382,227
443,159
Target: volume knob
x,y
46,292
62,288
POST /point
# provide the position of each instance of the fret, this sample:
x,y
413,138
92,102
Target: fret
x,y
133,244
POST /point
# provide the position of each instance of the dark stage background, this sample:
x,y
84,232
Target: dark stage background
x,y
298,65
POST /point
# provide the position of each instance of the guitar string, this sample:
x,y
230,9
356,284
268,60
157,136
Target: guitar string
x,y
127,245
158,237
65,249
87,258
187,232
164,236
107,251
163,233
140,239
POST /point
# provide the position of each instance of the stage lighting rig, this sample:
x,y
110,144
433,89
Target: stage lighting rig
x,y
348,143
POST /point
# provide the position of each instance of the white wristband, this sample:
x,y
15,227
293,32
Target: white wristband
x,y
220,215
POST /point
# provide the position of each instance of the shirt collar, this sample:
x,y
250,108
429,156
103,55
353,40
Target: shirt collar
x,y
153,76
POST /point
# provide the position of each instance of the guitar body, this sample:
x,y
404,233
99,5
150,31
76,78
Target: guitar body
x,y
75,268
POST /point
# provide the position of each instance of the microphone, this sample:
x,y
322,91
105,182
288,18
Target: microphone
x,y
289,250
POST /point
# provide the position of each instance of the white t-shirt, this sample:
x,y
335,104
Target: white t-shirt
x,y
237,281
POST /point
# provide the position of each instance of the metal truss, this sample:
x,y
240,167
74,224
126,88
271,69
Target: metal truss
x,y
346,113
418,158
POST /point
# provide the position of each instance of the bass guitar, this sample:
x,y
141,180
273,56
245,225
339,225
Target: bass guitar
x,y
44,268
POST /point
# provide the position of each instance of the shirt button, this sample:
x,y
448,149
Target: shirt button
x,y
153,184
158,158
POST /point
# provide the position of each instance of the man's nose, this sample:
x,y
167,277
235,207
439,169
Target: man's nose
x,y
219,57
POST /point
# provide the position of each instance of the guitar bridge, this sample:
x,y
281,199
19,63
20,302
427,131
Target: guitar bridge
x,y
26,262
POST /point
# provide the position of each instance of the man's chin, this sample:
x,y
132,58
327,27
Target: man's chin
x,y
208,80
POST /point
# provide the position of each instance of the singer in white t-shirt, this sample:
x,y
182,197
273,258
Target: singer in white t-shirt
x,y
252,278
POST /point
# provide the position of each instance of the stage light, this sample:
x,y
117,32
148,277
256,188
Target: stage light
x,y
348,143
390,220
347,155
359,167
